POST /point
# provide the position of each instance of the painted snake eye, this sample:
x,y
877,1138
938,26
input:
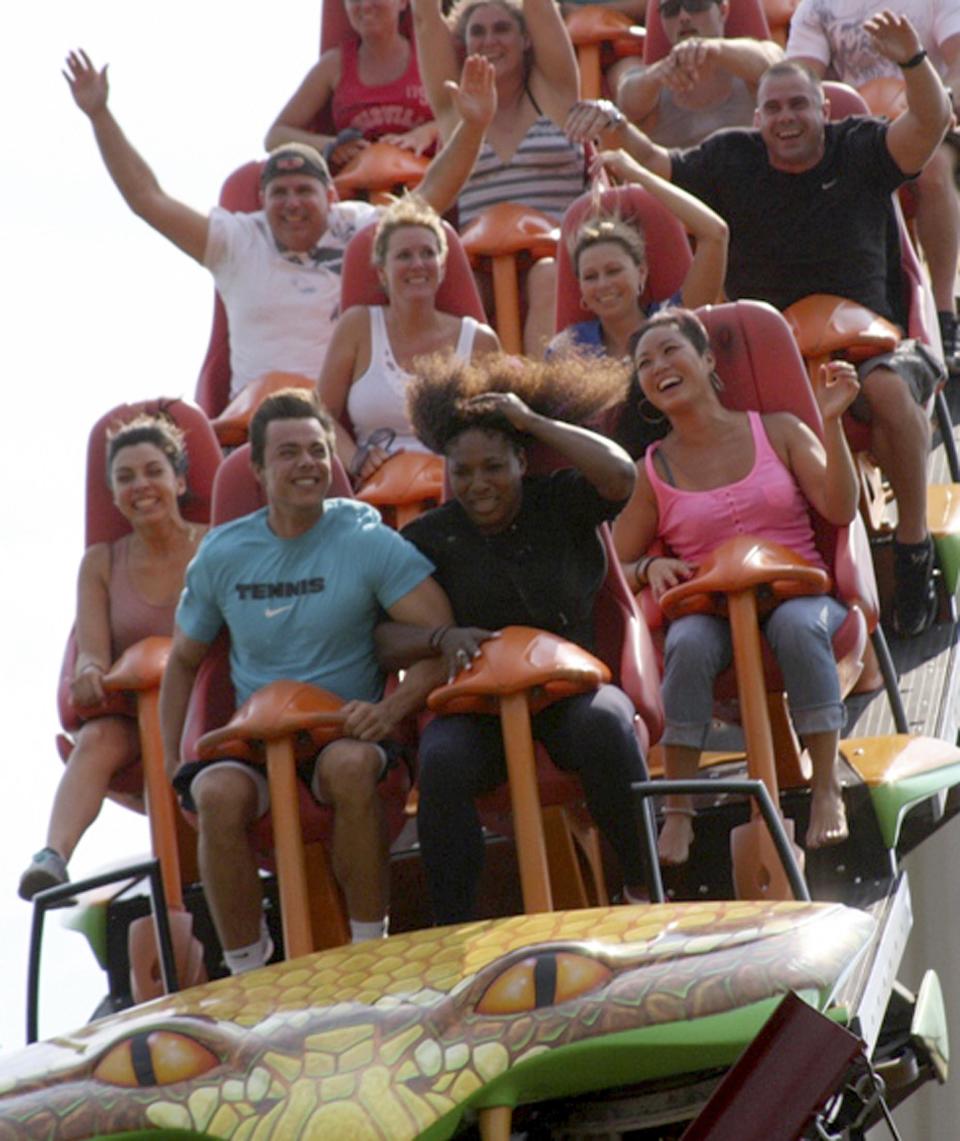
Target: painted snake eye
x,y
543,980
154,1058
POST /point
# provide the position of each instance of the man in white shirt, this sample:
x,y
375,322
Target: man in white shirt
x,y
278,270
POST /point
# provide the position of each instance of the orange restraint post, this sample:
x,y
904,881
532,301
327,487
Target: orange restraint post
x,y
733,575
139,670
519,673
378,170
274,717
502,233
405,486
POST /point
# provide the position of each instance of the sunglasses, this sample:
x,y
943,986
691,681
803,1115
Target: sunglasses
x,y
669,9
378,438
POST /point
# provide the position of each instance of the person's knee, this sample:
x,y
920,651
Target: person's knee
x,y
889,398
226,801
349,772
107,743
697,645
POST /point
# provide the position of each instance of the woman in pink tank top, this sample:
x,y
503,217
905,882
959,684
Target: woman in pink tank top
x,y
718,473
126,591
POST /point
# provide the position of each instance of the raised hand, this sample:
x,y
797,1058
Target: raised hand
x,y
88,86
836,389
619,164
510,406
589,119
475,96
417,139
893,36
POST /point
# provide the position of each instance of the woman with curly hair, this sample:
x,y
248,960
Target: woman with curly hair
x,y
126,591
515,549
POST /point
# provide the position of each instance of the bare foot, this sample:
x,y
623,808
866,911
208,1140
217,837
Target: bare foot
x,y
828,819
676,836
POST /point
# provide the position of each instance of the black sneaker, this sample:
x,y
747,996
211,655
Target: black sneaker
x,y
915,592
950,337
47,869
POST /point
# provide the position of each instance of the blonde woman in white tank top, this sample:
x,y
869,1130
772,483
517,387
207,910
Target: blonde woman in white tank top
x,y
373,350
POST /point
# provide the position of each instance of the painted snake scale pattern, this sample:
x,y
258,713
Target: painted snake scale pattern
x,y
393,1040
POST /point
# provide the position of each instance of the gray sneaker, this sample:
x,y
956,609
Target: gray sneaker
x,y
47,869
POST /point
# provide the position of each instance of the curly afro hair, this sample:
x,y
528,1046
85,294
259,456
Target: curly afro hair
x,y
441,399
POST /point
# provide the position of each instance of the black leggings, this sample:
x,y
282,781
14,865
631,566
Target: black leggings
x,y
461,756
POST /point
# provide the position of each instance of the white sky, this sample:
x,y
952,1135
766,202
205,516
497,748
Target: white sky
x,y
99,310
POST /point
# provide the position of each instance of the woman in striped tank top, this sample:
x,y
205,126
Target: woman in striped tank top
x,y
526,156
719,473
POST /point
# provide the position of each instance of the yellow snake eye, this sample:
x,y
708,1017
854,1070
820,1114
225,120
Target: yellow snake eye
x,y
543,980
155,1058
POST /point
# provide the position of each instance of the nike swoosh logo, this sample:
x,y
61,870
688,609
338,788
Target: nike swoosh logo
x,y
828,185
271,612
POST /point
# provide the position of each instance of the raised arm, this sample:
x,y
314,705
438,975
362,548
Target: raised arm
x,y
703,283
437,60
599,120
742,56
310,98
178,678
475,102
554,78
605,464
825,472
180,224
915,135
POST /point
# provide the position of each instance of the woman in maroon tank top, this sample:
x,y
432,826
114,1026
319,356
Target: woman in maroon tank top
x,y
366,88
126,590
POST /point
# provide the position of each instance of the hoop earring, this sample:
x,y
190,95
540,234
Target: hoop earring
x,y
656,418
716,381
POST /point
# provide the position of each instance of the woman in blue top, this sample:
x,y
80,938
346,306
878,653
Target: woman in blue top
x,y
609,259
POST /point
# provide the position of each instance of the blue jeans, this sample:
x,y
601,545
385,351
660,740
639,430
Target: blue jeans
x,y
799,631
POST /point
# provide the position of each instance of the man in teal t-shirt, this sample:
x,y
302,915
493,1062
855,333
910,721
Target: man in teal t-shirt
x,y
299,585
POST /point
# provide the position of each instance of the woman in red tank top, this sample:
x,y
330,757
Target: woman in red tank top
x,y
365,89
126,590
717,473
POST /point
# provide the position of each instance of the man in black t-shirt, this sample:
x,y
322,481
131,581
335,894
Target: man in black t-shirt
x,y
809,210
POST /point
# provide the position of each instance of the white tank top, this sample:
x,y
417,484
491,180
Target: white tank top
x,y
378,398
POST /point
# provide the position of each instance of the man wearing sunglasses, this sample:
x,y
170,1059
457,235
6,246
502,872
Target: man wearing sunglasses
x,y
808,203
703,83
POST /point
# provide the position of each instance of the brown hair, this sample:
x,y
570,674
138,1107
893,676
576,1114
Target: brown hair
x,y
287,404
159,430
602,228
